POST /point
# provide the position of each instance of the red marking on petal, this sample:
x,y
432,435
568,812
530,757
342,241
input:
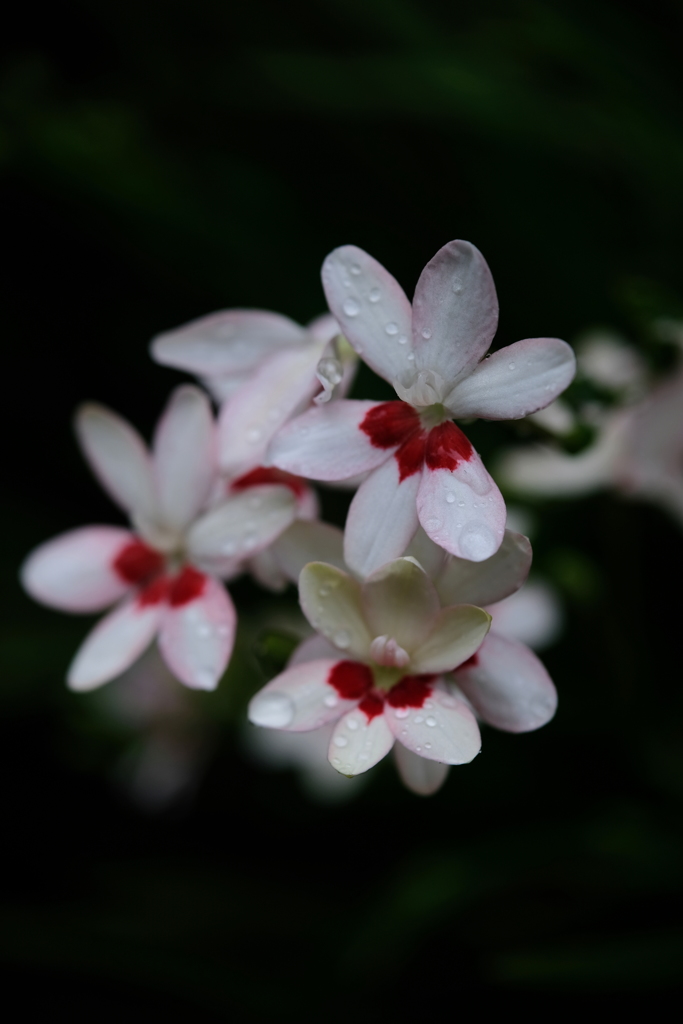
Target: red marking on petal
x,y
136,562
410,692
351,679
411,455
470,663
186,586
266,475
372,705
390,423
447,447
154,593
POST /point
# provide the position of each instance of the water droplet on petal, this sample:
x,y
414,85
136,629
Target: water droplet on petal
x,y
450,498
272,710
511,366
477,542
375,295
352,724
402,339
340,741
401,712
461,504
391,328
323,592
331,700
342,638
431,722
351,307
426,333
355,269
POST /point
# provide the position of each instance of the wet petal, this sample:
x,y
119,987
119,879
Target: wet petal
x,y
118,457
508,685
300,698
184,456
382,518
253,415
305,542
75,571
198,632
244,524
371,309
400,601
455,311
313,648
456,635
459,505
114,644
327,443
515,381
359,742
232,341
331,601
464,582
417,773
442,729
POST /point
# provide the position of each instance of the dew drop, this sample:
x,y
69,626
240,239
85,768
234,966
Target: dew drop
x,y
401,712
457,287
426,333
461,504
323,592
340,741
375,295
331,700
391,328
342,638
355,269
428,746
477,542
351,307
352,724
450,498
431,722
411,357
418,719
272,710
511,366
402,339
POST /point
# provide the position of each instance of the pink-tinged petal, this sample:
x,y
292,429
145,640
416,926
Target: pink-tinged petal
x,y
313,648
229,342
328,442
241,526
198,630
417,773
253,415
508,685
307,505
75,571
114,644
382,519
400,601
266,570
461,581
455,311
533,615
457,633
515,381
371,309
359,741
324,328
459,505
305,542
331,601
184,456
223,385
442,728
301,698
118,457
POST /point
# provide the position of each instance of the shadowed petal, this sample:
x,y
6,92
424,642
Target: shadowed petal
x,y
456,635
382,518
400,601
305,542
464,582
331,601
417,773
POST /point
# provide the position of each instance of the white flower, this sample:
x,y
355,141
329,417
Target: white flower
x,y
164,575
422,467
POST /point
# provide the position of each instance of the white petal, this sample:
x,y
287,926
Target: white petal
x,y
455,311
242,525
508,686
305,542
458,632
357,743
371,309
313,648
533,615
399,601
431,557
443,729
251,417
327,443
114,644
222,343
324,328
196,638
184,456
462,510
266,571
118,457
515,381
417,773
223,385
464,582
331,601
75,571
382,519
299,699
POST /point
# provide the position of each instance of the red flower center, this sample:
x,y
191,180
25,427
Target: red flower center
x,y
354,681
268,475
137,562
397,423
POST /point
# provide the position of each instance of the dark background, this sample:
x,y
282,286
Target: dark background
x,y
164,159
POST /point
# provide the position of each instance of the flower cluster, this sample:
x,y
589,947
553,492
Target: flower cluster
x,y
402,654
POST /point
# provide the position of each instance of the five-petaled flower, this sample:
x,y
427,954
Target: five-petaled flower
x,y
422,467
165,575
392,643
